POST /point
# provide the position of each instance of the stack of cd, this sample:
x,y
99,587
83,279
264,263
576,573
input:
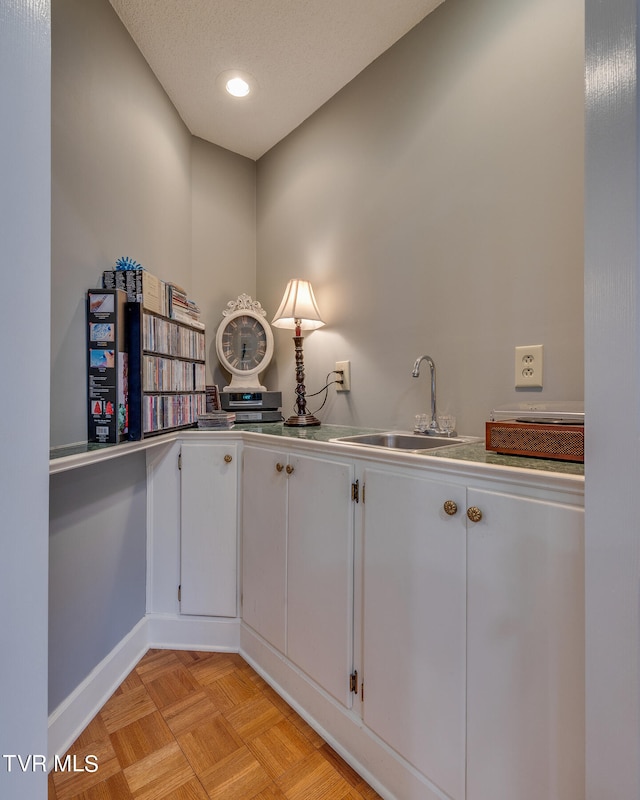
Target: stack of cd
x,y
220,420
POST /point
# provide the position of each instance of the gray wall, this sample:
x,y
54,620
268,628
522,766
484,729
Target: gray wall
x,y
121,184
97,566
24,365
128,179
437,214
223,190
436,205
124,166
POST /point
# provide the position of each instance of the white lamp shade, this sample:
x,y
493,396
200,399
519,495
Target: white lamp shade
x,y
298,303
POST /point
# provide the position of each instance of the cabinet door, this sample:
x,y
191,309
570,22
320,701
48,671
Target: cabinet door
x,y
525,650
320,572
208,529
414,623
264,543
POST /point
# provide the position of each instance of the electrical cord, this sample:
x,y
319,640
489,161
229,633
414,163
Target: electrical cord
x,y
325,389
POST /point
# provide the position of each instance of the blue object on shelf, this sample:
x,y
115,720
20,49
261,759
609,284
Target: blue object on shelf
x,y
124,263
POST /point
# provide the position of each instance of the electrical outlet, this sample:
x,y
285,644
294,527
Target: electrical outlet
x,y
529,366
345,368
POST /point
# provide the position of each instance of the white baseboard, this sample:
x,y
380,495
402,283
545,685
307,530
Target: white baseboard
x,y
164,631
73,715
176,632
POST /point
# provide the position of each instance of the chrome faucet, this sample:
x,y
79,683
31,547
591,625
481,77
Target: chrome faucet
x,y
433,425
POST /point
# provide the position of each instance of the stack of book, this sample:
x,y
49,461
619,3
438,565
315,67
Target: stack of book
x,y
181,308
141,287
220,420
160,297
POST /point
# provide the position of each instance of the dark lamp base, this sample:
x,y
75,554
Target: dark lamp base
x,y
302,420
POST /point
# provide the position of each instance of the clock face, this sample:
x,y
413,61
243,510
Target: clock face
x,y
243,343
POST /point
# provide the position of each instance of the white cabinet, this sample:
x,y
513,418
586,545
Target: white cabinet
x,y
297,562
414,623
320,572
525,649
264,543
468,637
208,529
473,636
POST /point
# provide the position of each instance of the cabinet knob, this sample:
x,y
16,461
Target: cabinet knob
x,y
474,513
279,467
450,507
228,459
289,469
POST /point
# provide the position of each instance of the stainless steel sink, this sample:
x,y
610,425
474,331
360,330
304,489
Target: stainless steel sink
x,y
398,440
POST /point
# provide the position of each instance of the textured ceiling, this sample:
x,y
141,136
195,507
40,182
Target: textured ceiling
x,y
299,53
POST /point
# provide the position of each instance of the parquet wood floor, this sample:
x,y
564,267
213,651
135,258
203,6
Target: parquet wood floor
x,y
188,725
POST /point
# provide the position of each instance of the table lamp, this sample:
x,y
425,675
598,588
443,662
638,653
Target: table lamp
x,y
299,311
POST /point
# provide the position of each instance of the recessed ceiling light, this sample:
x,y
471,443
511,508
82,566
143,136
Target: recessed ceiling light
x,y
236,82
238,87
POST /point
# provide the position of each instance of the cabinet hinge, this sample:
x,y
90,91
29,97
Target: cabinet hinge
x,y
362,691
355,491
180,460
364,486
353,682
179,593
